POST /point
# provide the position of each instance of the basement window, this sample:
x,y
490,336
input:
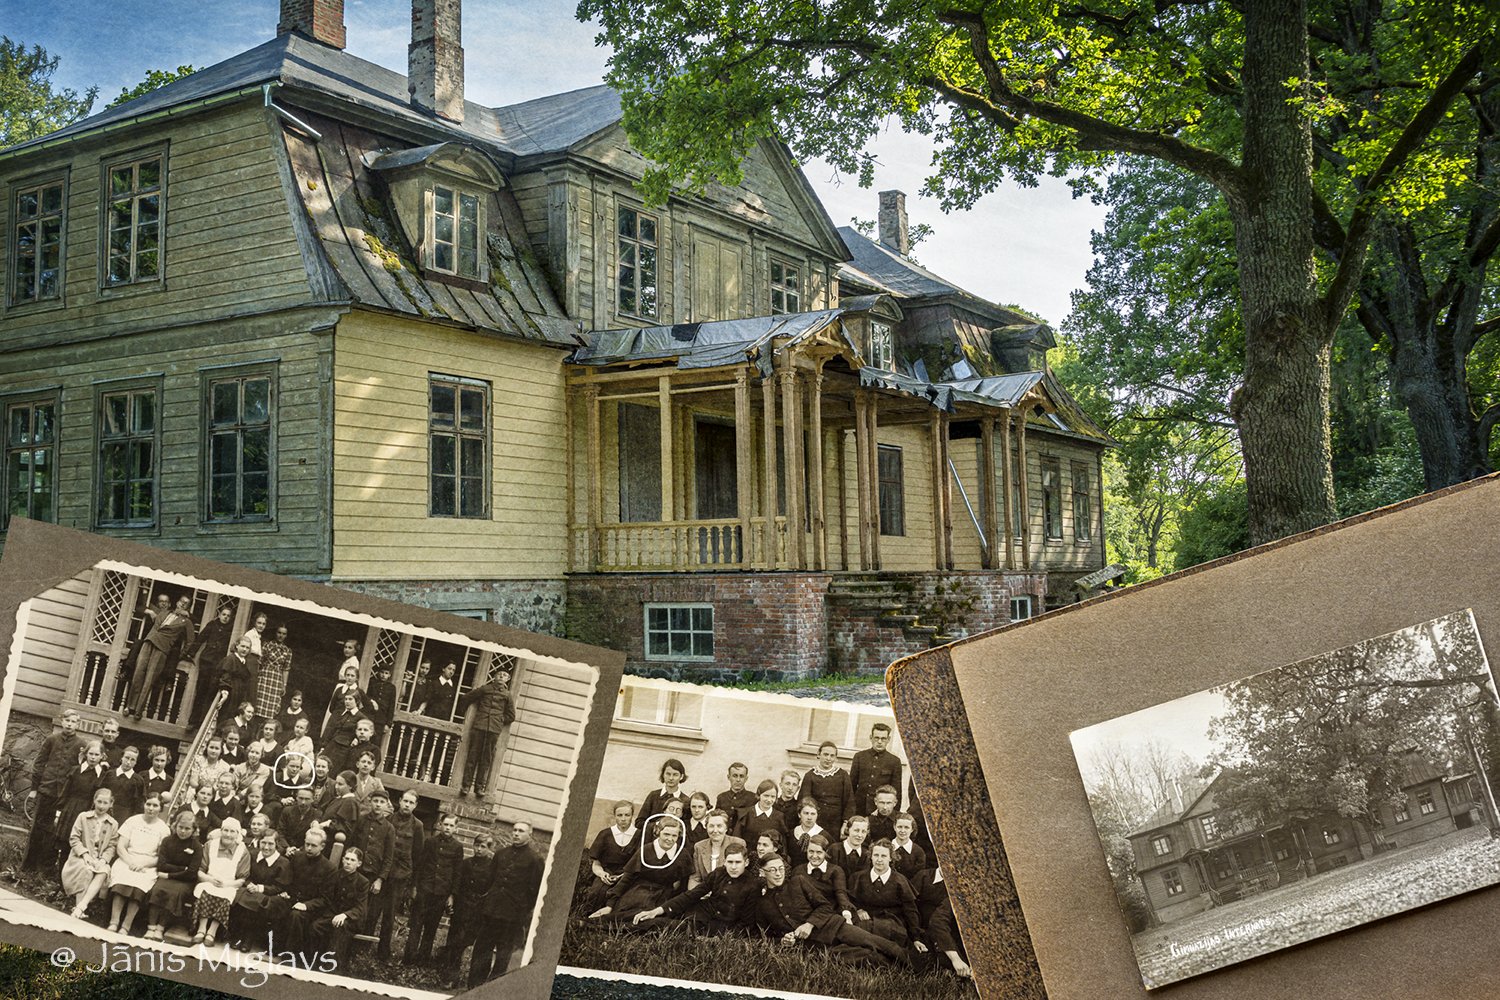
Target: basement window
x,y
679,631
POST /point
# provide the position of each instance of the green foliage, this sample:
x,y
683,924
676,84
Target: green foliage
x,y
29,107
155,80
916,234
1218,524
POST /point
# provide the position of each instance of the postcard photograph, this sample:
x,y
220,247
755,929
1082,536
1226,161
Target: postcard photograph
x,y
1301,801
765,842
282,788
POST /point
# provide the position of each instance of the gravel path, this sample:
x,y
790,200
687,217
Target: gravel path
x,y
1326,903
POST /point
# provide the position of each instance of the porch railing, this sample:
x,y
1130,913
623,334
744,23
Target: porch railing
x,y
423,750
682,546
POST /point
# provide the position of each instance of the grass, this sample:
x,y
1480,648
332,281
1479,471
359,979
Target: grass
x,y
748,962
827,682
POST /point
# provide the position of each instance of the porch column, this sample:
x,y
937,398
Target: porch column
x,y
1024,473
873,439
595,478
744,444
815,471
1007,469
990,518
791,412
768,445
862,476
946,493
939,476
668,466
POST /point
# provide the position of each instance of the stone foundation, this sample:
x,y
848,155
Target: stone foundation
x,y
532,605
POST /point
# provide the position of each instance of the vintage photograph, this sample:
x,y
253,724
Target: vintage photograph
x,y
271,784
1301,801
764,841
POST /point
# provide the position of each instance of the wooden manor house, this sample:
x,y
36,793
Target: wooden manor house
x,y
300,312
1193,853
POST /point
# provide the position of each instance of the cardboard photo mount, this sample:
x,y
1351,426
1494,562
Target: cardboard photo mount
x,y
986,723
39,556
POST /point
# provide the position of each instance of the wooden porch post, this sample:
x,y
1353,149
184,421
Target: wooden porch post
x,y
668,466
768,445
946,492
744,444
1024,473
873,439
815,471
990,518
791,412
595,477
841,469
1007,468
862,476
939,474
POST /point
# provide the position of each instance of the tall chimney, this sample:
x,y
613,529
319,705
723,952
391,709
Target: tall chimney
x,y
435,59
320,20
893,221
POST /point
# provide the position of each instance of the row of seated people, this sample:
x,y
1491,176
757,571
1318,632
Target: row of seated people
x,y
846,896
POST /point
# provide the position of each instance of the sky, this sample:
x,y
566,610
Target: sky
x,y
1022,246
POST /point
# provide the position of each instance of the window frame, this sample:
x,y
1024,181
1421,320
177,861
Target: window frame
x,y
636,242
133,158
647,631
672,709
1171,880
131,388
790,294
1426,805
1209,825
1083,501
1332,836
458,191
1052,508
31,399
882,345
240,373
1161,845
1022,600
16,189
895,526
459,383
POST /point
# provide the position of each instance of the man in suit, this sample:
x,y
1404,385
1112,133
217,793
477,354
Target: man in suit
x,y
168,637
737,799
493,711
874,767
437,871
304,892
408,836
793,910
708,854
57,758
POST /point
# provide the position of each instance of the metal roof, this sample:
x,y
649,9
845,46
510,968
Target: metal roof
x,y
703,345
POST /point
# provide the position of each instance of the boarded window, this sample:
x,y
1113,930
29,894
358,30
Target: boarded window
x,y
127,457
240,415
458,442
640,463
31,459
892,493
36,243
716,278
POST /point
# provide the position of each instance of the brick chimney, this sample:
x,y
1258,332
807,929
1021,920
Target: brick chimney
x,y
893,222
320,20
435,59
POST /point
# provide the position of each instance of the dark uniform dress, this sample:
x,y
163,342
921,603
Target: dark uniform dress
x,y
891,904
176,874
76,798
834,795
870,770
124,787
248,917
853,862
830,881
612,857
753,824
656,802
909,859
648,881
935,911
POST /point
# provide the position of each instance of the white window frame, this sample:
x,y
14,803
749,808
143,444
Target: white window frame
x,y
1018,603
882,346
1162,845
786,286
458,196
669,631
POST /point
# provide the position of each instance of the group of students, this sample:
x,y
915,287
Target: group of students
x,y
822,858
250,855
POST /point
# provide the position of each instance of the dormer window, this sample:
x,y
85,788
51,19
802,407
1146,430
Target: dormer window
x,y
455,231
882,346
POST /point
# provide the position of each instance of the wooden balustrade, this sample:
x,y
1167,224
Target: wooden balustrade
x,y
422,749
682,546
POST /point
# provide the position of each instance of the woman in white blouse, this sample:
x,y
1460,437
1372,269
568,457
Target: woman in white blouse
x,y
133,873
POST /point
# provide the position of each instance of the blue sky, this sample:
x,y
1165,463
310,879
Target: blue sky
x,y
1024,246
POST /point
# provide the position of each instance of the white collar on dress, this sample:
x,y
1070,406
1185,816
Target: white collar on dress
x,y
882,879
623,838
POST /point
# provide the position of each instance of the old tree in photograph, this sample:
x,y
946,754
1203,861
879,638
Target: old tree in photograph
x,y
1226,92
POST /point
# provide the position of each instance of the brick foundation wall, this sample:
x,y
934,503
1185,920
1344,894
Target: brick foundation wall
x,y
532,605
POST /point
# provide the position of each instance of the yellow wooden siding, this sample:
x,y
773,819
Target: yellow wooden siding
x,y
913,550
48,644
1063,553
542,745
229,243
380,514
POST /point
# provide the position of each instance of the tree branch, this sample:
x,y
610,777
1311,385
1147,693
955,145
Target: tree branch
x,y
1487,422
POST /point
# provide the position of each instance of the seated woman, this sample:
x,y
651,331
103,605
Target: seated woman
x,y
134,871
654,874
609,854
92,840
884,900
221,872
176,873
697,819
806,828
342,815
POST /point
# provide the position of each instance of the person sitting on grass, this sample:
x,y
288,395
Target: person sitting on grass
x,y
610,853
653,875
224,867
884,900
851,854
793,911
133,873
806,828
768,845
92,839
939,927
708,853
176,873
828,877
721,903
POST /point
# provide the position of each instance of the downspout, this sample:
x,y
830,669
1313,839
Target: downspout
x,y
286,115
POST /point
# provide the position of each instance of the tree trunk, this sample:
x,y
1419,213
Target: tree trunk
x,y
1434,391
1282,408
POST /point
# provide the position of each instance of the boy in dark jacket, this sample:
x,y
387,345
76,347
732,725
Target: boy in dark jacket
x,y
437,870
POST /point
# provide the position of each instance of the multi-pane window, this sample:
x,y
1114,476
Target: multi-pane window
x,y
1210,827
882,346
1161,846
1020,607
635,272
679,631
31,459
1402,815
240,410
132,221
1425,805
786,287
1051,498
457,437
36,243
1172,881
455,232
892,495
1083,503
639,703
127,457
1331,836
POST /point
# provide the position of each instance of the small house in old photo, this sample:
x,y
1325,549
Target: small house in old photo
x,y
303,313
1192,854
